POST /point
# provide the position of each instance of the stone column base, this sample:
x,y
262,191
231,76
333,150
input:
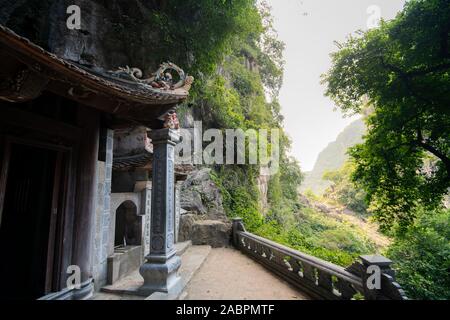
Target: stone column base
x,y
160,275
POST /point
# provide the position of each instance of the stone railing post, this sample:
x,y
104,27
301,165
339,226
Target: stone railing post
x,y
238,225
379,279
162,263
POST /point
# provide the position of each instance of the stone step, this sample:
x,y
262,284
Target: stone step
x,y
181,247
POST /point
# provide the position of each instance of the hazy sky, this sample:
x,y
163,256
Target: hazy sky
x,y
308,28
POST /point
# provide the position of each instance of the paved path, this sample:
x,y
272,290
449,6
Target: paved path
x,y
229,274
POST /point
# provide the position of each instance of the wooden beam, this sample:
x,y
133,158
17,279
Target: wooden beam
x,y
20,118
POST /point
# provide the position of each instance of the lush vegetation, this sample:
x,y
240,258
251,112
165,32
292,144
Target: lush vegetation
x,y
329,238
403,70
422,256
399,74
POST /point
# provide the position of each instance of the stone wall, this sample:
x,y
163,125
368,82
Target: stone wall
x,y
131,141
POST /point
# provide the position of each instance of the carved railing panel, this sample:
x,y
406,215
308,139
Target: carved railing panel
x,y
318,278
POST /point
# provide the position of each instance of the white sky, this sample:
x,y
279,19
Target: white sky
x,y
308,28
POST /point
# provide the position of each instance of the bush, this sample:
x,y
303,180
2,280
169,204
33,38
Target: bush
x,y
422,257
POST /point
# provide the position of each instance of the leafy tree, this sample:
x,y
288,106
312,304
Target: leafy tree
x,y
403,70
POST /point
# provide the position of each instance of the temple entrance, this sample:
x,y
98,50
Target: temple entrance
x,y
28,221
128,230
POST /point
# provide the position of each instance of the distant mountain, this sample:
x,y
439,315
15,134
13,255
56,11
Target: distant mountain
x,y
333,157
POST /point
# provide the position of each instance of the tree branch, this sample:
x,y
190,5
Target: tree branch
x,y
421,142
406,77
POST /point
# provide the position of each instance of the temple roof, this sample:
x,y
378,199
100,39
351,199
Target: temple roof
x,y
145,160
28,69
130,161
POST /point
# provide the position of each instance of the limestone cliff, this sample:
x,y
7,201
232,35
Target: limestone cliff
x,y
113,33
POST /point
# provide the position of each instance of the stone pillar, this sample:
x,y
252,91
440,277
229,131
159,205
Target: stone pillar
x,y
84,220
237,226
161,266
378,266
177,208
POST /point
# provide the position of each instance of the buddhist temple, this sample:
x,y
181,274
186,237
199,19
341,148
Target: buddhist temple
x,y
63,170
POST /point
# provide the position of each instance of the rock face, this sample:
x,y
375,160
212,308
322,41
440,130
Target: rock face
x,y
113,33
200,195
215,233
204,221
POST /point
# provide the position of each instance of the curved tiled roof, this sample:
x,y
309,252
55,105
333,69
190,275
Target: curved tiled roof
x,y
137,160
96,81
145,159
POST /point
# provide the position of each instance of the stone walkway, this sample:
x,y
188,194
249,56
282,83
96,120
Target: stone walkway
x,y
229,274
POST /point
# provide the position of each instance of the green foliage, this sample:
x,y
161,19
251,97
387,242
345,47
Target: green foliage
x,y
221,104
239,193
319,235
284,183
422,257
343,189
402,69
235,97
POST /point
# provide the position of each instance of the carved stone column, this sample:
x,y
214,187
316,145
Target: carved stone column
x,y
161,266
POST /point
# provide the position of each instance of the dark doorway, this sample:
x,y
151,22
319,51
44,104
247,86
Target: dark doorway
x,y
27,230
128,225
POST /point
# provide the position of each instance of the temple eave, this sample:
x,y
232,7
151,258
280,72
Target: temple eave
x,y
30,70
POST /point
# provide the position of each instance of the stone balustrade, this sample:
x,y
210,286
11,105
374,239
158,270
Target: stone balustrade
x,y
318,278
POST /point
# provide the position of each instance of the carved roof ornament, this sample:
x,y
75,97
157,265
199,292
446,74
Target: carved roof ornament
x,y
171,121
161,79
